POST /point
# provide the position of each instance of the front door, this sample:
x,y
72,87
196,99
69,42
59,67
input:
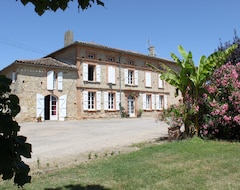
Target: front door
x,y
131,106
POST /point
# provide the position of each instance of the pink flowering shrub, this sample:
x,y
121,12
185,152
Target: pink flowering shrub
x,y
220,109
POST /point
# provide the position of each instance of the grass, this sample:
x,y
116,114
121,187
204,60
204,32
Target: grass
x,y
190,164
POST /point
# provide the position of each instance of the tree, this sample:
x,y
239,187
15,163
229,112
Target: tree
x,y
234,58
189,81
12,146
44,5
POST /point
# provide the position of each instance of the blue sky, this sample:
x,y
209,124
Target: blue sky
x,y
126,24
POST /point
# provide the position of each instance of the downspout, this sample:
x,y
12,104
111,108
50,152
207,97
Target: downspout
x,y
120,83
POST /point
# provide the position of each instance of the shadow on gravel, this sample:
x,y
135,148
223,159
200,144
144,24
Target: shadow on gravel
x,y
79,187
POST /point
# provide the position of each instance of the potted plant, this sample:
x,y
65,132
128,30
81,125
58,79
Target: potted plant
x,y
140,111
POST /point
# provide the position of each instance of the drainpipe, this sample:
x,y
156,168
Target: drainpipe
x,y
120,82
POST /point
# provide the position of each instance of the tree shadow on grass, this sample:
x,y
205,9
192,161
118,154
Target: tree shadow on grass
x,y
79,187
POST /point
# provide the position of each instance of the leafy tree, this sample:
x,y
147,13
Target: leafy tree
x,y
44,5
189,81
12,146
234,58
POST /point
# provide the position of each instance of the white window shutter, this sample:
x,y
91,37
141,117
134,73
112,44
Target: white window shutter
x,y
50,80
165,102
148,79
113,75
99,100
136,77
98,73
109,74
62,107
160,82
13,77
105,100
85,100
153,102
117,101
144,101
85,72
60,80
40,106
157,102
126,76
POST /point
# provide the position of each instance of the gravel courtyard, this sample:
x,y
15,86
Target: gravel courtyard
x,y
61,143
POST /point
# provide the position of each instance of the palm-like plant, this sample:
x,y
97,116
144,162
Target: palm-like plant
x,y
189,81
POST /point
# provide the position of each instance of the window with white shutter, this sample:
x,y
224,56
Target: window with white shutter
x,y
136,77
99,100
13,77
105,100
85,72
50,80
111,75
60,80
144,101
153,102
117,101
160,82
126,76
85,100
148,79
165,102
98,73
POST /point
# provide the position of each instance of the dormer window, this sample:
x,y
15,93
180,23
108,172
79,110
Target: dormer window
x,y
91,55
110,59
131,62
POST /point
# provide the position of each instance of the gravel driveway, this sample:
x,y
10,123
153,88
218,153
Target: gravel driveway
x,y
57,143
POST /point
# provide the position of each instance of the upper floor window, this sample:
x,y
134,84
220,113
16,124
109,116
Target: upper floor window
x,y
111,75
131,77
91,55
110,58
54,80
148,79
91,72
160,82
131,62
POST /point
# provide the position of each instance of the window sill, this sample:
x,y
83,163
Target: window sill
x,y
91,82
131,85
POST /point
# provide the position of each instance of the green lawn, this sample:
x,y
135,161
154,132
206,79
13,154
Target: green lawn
x,y
191,164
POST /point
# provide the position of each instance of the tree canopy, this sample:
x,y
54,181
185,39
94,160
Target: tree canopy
x,y
234,58
45,5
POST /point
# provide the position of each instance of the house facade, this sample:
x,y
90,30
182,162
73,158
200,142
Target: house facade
x,y
87,80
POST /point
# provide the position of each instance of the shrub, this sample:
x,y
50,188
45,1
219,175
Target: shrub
x,y
221,107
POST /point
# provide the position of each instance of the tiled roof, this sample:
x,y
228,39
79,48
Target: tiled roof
x,y
47,61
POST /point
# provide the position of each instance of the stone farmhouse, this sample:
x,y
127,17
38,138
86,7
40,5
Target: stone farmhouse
x,y
87,80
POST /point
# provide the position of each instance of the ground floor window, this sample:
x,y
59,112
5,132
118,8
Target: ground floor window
x,y
148,102
91,100
111,101
159,102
